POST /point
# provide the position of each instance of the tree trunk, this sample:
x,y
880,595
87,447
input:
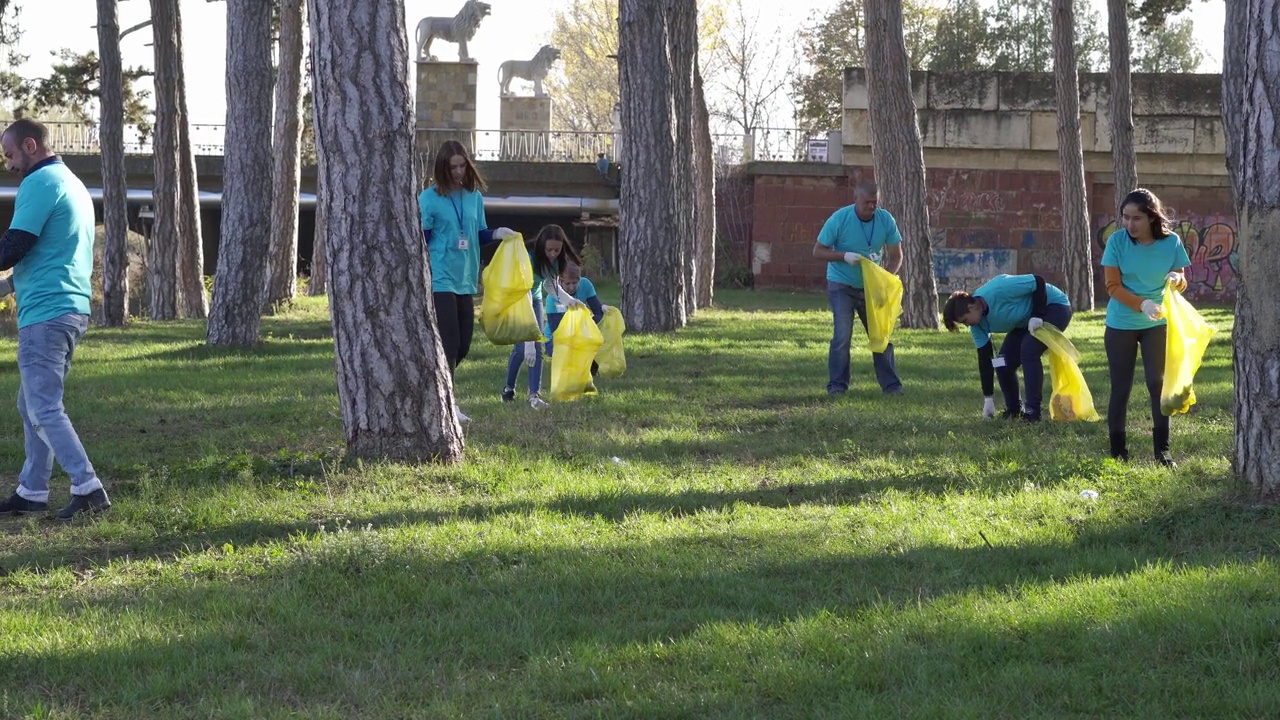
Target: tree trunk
x,y
704,179
241,276
195,302
115,212
1250,86
1120,104
898,156
393,380
683,50
317,283
654,214
286,174
162,251
1077,268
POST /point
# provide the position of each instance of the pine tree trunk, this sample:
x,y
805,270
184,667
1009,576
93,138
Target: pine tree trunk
x,y
393,380
162,251
683,50
898,155
246,196
704,179
286,174
1120,104
1077,268
1250,86
115,213
195,303
317,283
654,214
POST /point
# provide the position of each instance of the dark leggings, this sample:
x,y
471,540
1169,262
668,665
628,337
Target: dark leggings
x,y
456,319
1122,355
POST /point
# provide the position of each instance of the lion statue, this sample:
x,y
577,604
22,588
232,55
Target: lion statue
x,y
457,29
533,70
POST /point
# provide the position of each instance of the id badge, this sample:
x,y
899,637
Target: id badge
x,y
463,243
560,307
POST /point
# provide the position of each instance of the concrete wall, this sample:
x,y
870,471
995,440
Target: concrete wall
x,y
992,178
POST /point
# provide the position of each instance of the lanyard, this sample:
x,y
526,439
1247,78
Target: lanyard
x,y
457,211
868,236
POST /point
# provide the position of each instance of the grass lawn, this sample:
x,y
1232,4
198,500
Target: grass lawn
x,y
761,550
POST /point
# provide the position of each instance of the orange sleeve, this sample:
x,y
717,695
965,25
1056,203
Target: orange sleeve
x,y
1117,290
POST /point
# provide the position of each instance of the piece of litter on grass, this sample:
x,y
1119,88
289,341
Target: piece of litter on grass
x,y
618,461
1089,494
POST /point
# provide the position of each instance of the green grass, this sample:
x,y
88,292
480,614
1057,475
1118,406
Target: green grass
x,y
762,551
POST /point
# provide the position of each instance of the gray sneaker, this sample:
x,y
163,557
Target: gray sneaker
x,y
94,502
15,504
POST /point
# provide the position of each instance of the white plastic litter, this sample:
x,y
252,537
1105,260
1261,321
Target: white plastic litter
x,y
1089,494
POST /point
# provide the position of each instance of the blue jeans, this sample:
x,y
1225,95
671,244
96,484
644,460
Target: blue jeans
x,y
1022,349
517,359
845,301
44,358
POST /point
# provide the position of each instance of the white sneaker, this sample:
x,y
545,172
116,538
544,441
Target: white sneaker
x,y
461,418
537,403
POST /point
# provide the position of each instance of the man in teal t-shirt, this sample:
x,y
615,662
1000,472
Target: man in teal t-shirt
x,y
857,231
49,245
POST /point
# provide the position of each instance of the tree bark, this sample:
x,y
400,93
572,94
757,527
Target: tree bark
x,y
898,155
246,196
704,178
1077,268
115,212
195,302
653,212
286,174
683,51
393,380
317,283
1250,105
162,250
1120,104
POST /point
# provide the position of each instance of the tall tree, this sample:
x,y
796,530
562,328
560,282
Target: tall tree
x,y
162,252
962,38
653,277
195,304
704,199
1077,268
115,211
898,155
72,89
393,381
240,280
1170,47
286,175
1250,86
753,70
1120,103
1022,36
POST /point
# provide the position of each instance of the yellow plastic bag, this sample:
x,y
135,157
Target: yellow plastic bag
x,y
883,292
506,312
1071,399
610,358
576,341
1184,345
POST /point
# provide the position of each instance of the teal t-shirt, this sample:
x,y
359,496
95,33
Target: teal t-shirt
x,y
53,278
454,221
1009,304
585,292
845,232
1143,269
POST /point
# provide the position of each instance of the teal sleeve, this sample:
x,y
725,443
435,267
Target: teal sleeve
x,y
830,232
892,236
34,205
1111,255
424,209
586,290
1181,259
980,336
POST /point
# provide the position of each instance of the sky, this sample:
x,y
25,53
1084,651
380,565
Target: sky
x,y
514,30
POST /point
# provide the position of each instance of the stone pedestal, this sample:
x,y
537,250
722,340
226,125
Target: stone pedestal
x,y
444,106
525,123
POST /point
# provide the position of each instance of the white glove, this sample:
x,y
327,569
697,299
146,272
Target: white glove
x,y
503,233
1034,324
988,408
1175,277
6,286
852,258
1152,309
530,353
604,308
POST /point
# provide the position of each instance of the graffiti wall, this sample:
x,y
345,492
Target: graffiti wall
x,y
967,269
1210,241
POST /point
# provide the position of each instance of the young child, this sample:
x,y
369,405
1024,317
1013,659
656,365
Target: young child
x,y
550,253
571,289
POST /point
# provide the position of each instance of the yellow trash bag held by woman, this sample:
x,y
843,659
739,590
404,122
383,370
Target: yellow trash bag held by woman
x,y
883,292
1188,336
611,359
506,312
576,341
1071,400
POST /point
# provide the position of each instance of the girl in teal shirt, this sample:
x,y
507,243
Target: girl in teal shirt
x,y
551,250
1139,259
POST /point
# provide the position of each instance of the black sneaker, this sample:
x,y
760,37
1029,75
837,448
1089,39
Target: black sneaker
x,y
1166,459
1010,414
508,394
1031,417
94,502
18,505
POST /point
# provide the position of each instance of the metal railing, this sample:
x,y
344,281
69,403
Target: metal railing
x,y
771,144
